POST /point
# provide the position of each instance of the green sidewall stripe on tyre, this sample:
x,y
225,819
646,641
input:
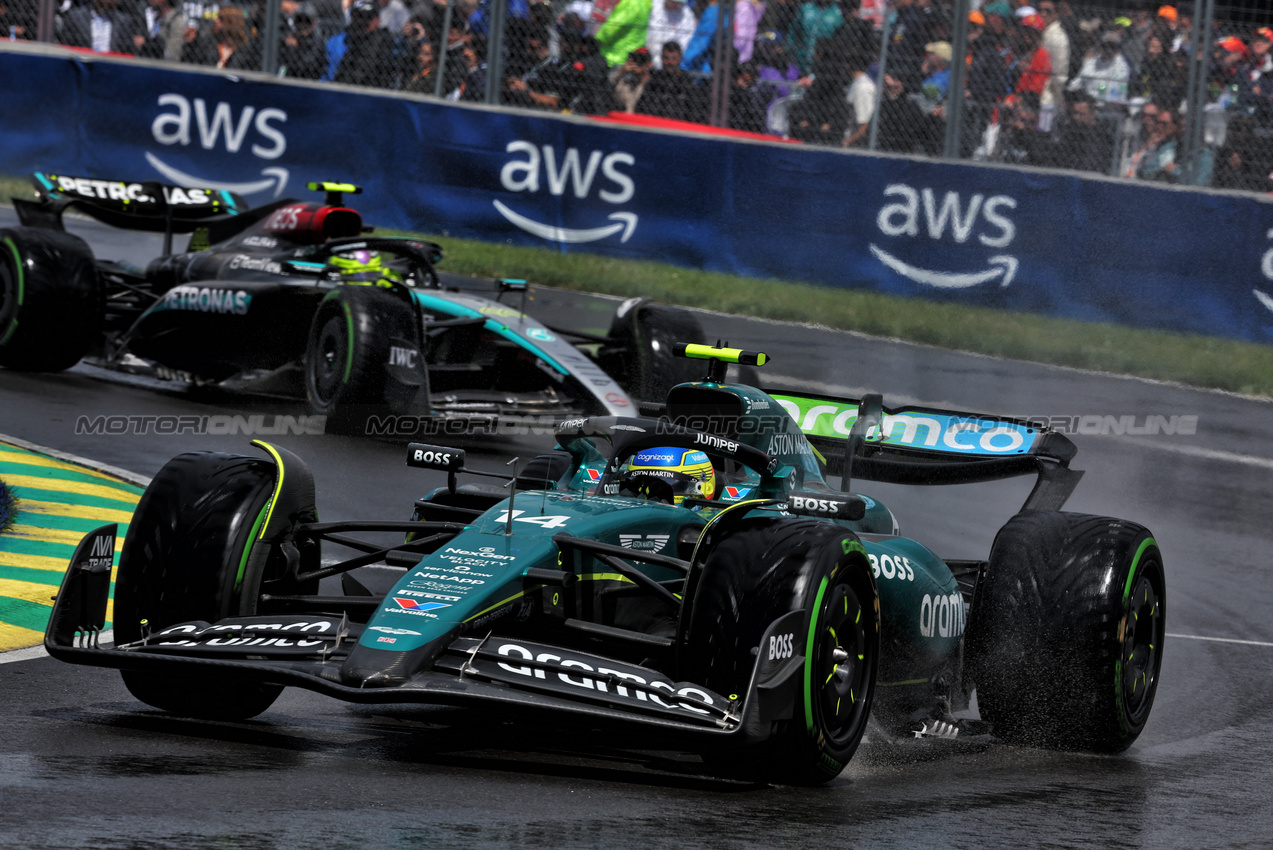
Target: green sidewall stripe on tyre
x,y
1131,574
58,502
810,638
1127,590
17,263
349,348
247,550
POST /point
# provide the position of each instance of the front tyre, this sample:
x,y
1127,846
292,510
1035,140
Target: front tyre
x,y
50,301
1065,634
640,354
765,569
347,356
185,558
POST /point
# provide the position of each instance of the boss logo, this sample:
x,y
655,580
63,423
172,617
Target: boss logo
x,y
831,508
780,646
434,457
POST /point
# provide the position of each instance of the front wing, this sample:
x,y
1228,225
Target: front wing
x,y
308,651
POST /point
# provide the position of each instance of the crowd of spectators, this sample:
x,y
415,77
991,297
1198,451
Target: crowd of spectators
x,y
1045,83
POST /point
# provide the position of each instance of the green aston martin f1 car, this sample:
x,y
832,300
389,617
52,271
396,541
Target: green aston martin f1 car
x,y
687,574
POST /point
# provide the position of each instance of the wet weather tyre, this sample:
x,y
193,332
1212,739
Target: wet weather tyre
x,y
758,573
1065,633
347,355
184,559
50,300
640,356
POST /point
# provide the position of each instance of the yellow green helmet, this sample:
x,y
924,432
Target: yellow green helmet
x,y
365,268
670,474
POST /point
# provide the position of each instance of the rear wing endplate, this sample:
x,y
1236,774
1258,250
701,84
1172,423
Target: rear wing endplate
x,y
148,205
920,445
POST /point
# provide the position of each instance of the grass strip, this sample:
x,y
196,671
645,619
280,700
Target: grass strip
x,y
1192,359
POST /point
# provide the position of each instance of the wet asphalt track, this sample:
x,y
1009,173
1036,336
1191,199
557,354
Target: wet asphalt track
x,y
84,765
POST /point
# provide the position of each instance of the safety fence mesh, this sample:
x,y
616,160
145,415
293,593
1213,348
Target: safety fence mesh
x,y
1107,88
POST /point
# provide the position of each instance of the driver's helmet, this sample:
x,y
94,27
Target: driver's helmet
x,y
670,474
363,268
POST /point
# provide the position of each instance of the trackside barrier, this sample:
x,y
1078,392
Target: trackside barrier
x,y
1044,242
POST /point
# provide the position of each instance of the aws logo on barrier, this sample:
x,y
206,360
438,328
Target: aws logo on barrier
x,y
921,215
581,175
1266,268
186,122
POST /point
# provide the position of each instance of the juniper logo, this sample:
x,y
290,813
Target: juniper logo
x,y
919,214
579,174
185,122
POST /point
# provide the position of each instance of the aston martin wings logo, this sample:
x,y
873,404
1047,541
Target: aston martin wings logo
x,y
623,221
648,542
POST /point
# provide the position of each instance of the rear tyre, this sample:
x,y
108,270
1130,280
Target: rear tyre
x,y
50,302
768,568
184,559
1065,633
640,355
347,356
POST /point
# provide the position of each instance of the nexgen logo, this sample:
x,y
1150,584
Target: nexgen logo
x,y
574,173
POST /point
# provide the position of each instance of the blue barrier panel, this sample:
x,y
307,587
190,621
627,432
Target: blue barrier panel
x,y
1046,242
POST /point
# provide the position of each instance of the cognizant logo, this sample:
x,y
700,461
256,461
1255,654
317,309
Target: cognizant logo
x,y
534,168
185,122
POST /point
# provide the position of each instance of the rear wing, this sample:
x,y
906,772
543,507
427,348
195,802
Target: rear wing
x,y
149,205
860,438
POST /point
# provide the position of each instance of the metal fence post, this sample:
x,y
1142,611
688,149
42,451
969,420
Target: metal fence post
x,y
885,32
269,51
719,109
45,28
442,47
1190,157
495,52
958,74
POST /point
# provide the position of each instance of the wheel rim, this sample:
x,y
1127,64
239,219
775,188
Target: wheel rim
x,y
1142,647
841,666
327,365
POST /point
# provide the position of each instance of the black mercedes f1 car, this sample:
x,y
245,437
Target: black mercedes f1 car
x,y
299,299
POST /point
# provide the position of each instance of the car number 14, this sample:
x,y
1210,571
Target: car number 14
x,y
549,521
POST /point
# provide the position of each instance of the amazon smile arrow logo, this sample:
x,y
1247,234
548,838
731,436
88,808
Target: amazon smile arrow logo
x,y
274,176
1001,265
623,221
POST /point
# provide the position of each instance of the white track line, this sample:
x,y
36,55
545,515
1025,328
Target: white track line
x,y
1220,639
130,477
1209,454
